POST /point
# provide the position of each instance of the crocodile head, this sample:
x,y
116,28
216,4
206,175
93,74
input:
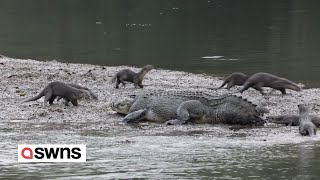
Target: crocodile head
x,y
122,105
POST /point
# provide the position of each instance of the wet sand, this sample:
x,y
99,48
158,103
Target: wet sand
x,y
95,124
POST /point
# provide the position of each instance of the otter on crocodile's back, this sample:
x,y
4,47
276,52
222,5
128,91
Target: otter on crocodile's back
x,y
57,88
233,79
130,76
259,80
306,127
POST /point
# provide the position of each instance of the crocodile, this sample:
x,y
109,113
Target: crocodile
x,y
182,107
292,120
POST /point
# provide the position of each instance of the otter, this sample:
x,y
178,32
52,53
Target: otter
x,y
130,76
306,127
259,80
292,120
57,88
92,94
233,79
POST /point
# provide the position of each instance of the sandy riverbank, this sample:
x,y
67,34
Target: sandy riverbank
x,y
25,78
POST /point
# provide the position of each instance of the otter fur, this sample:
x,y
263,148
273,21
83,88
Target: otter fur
x,y
92,94
292,120
61,89
130,76
259,80
233,79
306,127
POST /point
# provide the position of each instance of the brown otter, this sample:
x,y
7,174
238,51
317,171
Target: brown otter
x,y
57,88
233,79
259,80
292,120
130,76
306,127
92,94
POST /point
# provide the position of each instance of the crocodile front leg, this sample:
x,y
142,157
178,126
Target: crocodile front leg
x,y
136,116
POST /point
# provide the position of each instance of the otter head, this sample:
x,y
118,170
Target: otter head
x,y
83,94
148,67
291,85
302,108
122,106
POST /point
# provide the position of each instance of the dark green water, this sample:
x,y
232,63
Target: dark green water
x,y
279,37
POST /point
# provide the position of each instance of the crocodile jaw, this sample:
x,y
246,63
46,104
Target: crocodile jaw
x,y
122,105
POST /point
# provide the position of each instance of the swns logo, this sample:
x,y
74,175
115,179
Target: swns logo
x,y
52,153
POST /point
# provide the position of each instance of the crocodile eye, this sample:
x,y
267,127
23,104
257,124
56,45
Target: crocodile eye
x,y
121,104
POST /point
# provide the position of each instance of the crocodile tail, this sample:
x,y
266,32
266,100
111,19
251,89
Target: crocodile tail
x,y
35,97
259,108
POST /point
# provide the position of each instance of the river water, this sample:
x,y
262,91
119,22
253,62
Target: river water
x,y
205,36
215,37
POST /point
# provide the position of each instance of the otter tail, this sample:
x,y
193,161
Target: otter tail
x,y
35,97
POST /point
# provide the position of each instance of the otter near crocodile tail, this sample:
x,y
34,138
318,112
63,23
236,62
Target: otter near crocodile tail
x,y
259,80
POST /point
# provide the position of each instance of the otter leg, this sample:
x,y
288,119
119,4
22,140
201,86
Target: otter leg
x,y
224,83
283,90
258,88
246,86
59,97
117,84
230,85
135,83
51,99
47,97
140,84
74,102
66,103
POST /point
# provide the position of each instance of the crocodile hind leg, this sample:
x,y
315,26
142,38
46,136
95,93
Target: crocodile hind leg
x,y
135,116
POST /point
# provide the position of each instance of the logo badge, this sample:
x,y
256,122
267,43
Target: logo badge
x,y
52,153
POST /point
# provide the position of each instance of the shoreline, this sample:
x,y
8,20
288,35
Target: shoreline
x,y
22,79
